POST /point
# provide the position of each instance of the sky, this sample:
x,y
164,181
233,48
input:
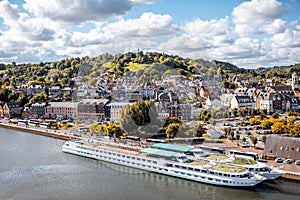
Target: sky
x,y
250,34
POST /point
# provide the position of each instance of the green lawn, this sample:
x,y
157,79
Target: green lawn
x,y
244,161
196,163
216,157
228,168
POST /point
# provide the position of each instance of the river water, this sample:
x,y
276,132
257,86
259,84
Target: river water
x,y
33,167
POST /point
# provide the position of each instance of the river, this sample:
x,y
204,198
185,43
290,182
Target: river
x,y
33,167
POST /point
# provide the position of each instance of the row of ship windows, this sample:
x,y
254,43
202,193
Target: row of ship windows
x,y
205,171
116,154
177,172
208,178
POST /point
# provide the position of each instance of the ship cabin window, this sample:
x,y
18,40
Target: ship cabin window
x,y
233,175
190,168
128,156
149,161
169,165
210,179
123,156
204,171
155,162
211,172
138,159
183,167
225,181
197,170
176,166
144,160
109,153
218,180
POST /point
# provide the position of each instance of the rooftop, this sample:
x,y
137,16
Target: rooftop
x,y
173,147
158,152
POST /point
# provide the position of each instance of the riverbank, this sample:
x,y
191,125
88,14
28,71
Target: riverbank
x,y
38,131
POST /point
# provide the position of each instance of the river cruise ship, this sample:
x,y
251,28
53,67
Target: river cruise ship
x,y
167,159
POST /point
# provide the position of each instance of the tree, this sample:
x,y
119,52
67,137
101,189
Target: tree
x,y
265,123
114,130
171,130
279,128
254,121
199,130
254,140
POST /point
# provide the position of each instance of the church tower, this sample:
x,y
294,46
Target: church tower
x,y
294,81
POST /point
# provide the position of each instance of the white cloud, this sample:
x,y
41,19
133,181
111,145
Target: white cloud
x,y
251,17
77,11
207,28
290,38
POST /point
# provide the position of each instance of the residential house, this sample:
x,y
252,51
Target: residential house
x,y
174,111
35,89
61,110
54,92
94,110
115,108
185,111
203,92
214,104
12,110
282,89
226,100
162,111
238,102
147,93
264,102
37,110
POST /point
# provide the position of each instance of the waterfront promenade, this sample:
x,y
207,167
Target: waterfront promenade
x,y
63,135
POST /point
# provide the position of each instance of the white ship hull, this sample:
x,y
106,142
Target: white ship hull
x,y
162,166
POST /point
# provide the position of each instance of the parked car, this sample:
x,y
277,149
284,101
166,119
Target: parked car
x,y
297,162
279,160
288,161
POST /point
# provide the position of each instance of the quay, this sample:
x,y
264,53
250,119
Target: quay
x,y
46,132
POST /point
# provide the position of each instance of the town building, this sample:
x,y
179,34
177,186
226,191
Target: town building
x,y
283,147
94,110
115,108
12,110
238,102
61,110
